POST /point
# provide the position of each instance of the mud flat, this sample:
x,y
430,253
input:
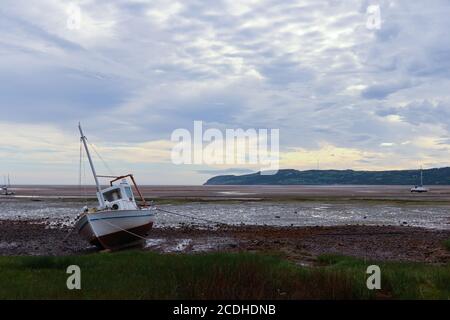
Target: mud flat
x,y
299,244
226,193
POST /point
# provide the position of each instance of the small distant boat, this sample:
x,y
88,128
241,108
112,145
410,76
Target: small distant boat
x,y
420,188
5,188
118,221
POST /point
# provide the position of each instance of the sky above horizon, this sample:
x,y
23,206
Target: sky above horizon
x,y
342,95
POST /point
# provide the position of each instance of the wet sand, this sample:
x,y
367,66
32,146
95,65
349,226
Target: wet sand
x,y
299,244
253,193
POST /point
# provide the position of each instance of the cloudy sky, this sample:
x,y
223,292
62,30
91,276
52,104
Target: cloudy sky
x,y
342,95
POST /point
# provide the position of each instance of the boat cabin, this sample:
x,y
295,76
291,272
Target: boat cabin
x,y
119,197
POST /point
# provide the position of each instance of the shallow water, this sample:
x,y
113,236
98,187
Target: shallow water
x,y
312,213
189,245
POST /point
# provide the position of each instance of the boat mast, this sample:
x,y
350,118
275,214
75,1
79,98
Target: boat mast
x,y
99,190
421,176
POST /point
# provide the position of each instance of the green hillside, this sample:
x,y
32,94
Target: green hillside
x,y
436,176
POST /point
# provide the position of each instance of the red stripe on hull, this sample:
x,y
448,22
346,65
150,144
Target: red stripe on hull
x,y
122,238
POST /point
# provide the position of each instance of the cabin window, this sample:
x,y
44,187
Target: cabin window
x,y
129,193
112,195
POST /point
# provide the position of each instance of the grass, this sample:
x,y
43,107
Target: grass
x,y
146,275
400,280
447,244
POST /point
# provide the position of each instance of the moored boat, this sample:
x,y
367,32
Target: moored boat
x,y
6,188
118,220
420,188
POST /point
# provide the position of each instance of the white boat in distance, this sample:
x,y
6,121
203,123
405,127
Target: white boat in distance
x,y
7,186
118,221
420,188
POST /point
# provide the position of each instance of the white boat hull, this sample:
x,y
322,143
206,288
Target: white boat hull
x,y
115,228
419,189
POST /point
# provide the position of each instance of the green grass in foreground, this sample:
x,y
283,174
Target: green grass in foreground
x,y
145,275
447,244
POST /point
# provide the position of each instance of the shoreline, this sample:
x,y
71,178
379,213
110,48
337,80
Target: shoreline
x,y
181,200
436,194
301,245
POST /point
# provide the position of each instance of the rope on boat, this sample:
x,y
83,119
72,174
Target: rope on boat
x,y
68,235
122,229
193,217
159,209
111,224
162,210
100,157
82,175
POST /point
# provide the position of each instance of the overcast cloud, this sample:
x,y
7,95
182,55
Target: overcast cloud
x,y
341,94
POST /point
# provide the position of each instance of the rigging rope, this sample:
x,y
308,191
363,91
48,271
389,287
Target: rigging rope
x,y
158,209
79,170
100,157
122,229
166,211
192,217
84,184
82,174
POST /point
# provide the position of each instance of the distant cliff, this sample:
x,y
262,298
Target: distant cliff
x,y
437,176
